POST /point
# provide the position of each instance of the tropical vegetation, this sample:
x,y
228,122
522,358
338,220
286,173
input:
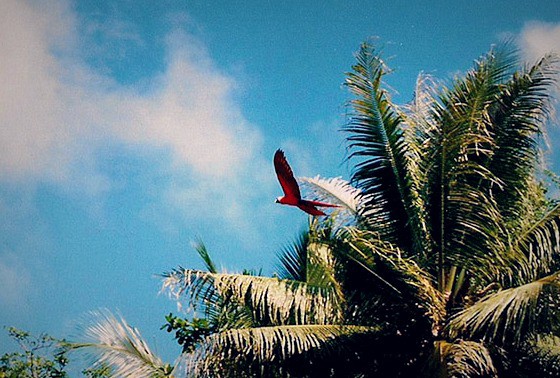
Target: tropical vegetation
x,y
42,356
442,260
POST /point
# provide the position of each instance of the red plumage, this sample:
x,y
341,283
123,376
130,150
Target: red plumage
x,y
290,187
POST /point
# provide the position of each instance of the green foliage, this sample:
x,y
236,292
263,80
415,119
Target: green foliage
x,y
101,371
188,332
40,356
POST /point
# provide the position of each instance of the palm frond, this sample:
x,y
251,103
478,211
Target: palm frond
x,y
419,124
270,300
377,142
536,246
205,256
473,232
421,109
265,348
293,259
547,344
114,342
462,359
465,217
518,115
508,315
335,190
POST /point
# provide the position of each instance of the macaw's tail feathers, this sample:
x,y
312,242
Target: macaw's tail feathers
x,y
308,207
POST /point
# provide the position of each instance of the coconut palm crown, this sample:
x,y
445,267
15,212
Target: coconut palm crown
x,y
443,259
448,264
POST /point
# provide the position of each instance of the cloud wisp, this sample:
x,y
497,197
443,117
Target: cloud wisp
x,y
57,111
539,38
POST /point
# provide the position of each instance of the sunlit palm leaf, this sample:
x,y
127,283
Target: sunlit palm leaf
x,y
547,346
263,346
419,113
542,355
114,342
321,268
310,260
474,232
509,315
220,312
270,299
419,124
335,190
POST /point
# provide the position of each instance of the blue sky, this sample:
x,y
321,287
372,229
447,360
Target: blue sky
x,y
130,129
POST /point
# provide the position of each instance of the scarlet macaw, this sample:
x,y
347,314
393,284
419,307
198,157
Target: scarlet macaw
x,y
292,195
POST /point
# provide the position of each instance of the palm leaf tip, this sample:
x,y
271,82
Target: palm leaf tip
x,y
335,190
112,341
205,256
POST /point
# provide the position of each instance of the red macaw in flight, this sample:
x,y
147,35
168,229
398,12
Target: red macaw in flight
x,y
292,195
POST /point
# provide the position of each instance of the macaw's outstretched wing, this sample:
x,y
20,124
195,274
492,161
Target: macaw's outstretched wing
x,y
286,176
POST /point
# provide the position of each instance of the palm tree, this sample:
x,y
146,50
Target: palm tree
x,y
442,260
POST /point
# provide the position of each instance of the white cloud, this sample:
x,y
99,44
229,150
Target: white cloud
x,y
57,115
56,111
191,110
536,40
540,38
32,131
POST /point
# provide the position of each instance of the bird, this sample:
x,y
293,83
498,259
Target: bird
x,y
290,187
